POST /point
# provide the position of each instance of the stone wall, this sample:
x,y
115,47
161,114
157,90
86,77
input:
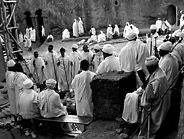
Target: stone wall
x,y
59,14
109,90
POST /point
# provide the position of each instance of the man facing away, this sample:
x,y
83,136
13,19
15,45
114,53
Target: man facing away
x,y
82,90
155,89
50,104
11,88
110,62
28,106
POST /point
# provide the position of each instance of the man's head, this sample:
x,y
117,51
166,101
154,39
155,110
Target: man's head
x,y
19,57
50,48
28,84
131,35
51,83
85,48
97,48
36,54
74,47
62,51
107,50
164,48
84,65
151,64
10,65
153,29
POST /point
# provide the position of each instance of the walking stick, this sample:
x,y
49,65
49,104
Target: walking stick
x,y
65,72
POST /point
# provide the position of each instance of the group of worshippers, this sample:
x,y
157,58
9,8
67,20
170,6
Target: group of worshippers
x,y
156,69
28,37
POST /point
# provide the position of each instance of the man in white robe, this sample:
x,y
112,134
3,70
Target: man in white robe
x,y
28,106
75,58
133,55
126,28
181,20
110,62
37,68
152,42
21,38
109,32
159,25
65,34
64,70
86,53
11,88
101,37
92,39
43,31
50,104
75,28
33,35
50,59
92,31
80,26
97,57
167,62
82,90
116,32
18,79
50,38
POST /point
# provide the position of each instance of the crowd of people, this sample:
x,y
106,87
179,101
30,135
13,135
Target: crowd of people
x,y
33,88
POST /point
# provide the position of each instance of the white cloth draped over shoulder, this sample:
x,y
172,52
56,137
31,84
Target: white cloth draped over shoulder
x,y
80,26
51,66
132,56
83,93
116,30
50,104
109,32
65,34
75,28
38,71
101,37
109,64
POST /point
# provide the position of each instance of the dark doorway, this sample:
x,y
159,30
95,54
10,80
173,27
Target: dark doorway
x,y
171,14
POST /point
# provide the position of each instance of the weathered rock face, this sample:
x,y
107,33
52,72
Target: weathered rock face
x,y
109,90
59,14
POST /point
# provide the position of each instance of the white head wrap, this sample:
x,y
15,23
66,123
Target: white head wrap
x,y
28,83
108,48
10,63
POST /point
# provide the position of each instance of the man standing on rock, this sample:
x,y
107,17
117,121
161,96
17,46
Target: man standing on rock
x,y
82,90
132,57
110,62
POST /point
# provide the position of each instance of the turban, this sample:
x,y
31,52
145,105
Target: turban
x,y
151,61
166,46
108,48
153,27
75,46
97,47
28,83
131,35
50,83
10,63
109,25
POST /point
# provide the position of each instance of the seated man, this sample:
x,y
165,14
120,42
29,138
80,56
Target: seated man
x,y
50,104
27,106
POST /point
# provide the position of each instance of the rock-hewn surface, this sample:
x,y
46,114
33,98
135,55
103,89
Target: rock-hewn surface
x,y
109,90
59,14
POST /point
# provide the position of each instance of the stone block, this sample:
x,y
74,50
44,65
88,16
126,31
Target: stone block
x,y
109,90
